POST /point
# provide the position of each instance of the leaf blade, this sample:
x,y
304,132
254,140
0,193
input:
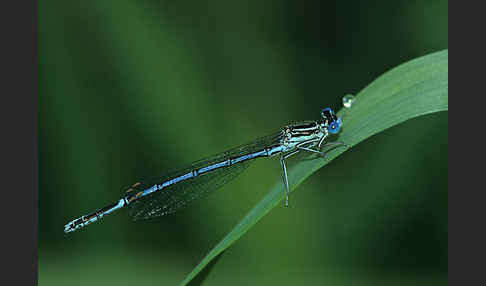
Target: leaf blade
x,y
415,88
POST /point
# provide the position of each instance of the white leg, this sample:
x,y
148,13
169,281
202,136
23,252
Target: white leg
x,y
321,153
286,181
334,145
322,140
285,177
311,150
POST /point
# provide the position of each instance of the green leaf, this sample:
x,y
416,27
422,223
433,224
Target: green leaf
x,y
415,88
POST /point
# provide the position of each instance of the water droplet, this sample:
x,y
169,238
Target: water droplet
x,y
348,100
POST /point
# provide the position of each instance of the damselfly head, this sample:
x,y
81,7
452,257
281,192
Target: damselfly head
x,y
335,126
334,123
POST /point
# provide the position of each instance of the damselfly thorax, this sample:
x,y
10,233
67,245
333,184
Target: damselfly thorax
x,y
306,134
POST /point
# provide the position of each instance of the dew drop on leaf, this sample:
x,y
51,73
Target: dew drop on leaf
x,y
348,100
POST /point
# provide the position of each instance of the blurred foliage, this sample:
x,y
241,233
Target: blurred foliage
x,y
129,89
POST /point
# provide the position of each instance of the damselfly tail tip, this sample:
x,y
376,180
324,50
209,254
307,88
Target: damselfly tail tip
x,y
68,227
72,226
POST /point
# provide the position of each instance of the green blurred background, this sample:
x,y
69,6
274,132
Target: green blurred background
x,y
132,88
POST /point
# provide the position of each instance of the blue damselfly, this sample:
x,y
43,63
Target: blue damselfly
x,y
170,192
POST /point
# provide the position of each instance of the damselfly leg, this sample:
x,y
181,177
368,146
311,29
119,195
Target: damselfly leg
x,y
299,147
285,177
303,147
333,146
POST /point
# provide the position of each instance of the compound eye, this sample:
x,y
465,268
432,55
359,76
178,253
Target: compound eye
x,y
335,126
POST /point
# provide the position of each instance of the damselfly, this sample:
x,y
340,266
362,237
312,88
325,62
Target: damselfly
x,y
172,191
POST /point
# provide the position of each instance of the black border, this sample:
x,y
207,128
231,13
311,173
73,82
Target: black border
x,y
466,221
19,200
